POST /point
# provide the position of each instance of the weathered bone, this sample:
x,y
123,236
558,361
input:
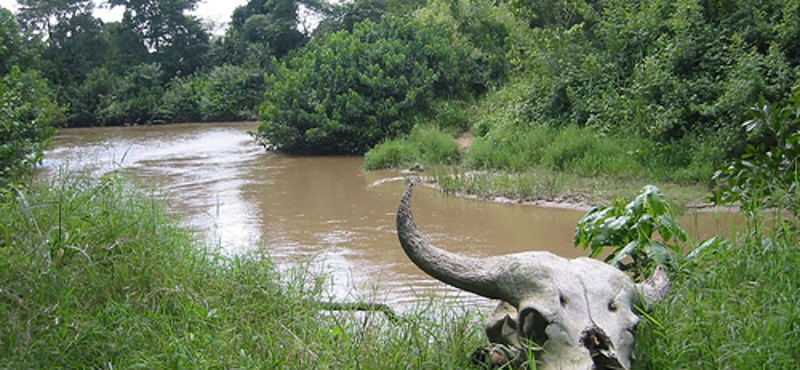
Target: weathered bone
x,y
654,289
573,314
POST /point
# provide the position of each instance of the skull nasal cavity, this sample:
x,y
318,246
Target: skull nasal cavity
x,y
595,340
601,349
533,325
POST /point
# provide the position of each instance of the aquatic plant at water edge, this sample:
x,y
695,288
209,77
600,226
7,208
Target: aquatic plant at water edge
x,y
629,228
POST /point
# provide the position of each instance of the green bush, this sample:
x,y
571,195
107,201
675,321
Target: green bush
x,y
88,98
182,99
27,118
346,92
136,98
231,93
451,116
629,228
767,174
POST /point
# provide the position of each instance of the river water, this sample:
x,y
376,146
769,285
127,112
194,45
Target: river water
x,y
321,213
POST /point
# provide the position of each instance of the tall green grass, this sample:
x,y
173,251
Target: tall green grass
x,y
735,306
428,146
571,149
93,274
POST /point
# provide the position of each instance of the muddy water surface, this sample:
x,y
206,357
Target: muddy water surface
x,y
324,213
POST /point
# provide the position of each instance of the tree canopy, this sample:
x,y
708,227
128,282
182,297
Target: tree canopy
x,y
677,74
28,113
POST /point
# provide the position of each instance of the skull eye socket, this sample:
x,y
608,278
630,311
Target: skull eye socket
x,y
534,326
612,306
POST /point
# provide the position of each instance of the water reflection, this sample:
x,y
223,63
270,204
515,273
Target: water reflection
x,y
324,213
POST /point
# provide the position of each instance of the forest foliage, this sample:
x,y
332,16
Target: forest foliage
x,y
595,87
346,92
587,87
659,88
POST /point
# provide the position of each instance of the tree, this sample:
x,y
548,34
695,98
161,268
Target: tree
x,y
156,21
42,15
269,25
178,42
27,118
345,15
27,110
347,92
15,49
186,51
76,46
126,48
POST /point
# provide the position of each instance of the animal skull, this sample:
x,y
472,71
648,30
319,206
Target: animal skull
x,y
571,313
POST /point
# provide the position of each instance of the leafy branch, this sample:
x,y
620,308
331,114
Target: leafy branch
x,y
629,229
766,175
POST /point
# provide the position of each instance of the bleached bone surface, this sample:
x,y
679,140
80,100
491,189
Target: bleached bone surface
x,y
572,313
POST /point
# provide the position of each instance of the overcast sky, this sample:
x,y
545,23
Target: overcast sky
x,y
217,11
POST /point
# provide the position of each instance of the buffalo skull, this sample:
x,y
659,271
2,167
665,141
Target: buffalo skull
x,y
570,313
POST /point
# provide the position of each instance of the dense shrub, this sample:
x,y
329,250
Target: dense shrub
x,y
27,118
182,99
136,98
347,92
675,74
767,175
231,93
87,99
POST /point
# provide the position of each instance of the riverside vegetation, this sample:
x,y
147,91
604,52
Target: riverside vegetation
x,y
581,100
94,274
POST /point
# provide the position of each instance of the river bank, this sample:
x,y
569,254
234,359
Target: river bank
x,y
543,188
144,293
509,176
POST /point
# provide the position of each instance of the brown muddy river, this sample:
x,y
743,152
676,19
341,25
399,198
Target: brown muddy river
x,y
323,213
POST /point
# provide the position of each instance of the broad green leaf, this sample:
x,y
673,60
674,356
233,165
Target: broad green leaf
x,y
624,253
658,253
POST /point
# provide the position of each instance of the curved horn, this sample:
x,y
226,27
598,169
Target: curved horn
x,y
655,288
478,276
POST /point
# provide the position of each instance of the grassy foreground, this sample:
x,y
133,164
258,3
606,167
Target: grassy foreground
x,y
95,275
733,306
